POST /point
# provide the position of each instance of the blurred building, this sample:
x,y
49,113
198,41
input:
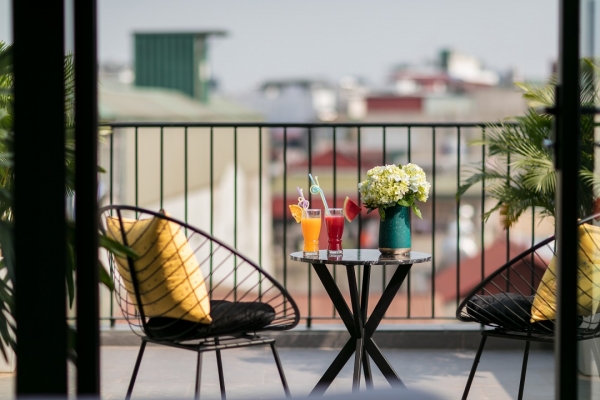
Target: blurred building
x,y
294,100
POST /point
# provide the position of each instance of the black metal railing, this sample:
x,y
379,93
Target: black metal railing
x,y
235,181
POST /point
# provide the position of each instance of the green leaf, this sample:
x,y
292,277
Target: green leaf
x,y
117,248
70,275
404,203
105,278
381,213
416,210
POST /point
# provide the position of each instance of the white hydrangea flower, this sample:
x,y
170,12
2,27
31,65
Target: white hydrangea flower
x,y
386,185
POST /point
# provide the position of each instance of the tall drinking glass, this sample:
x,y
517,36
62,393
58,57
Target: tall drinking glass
x,y
335,229
311,227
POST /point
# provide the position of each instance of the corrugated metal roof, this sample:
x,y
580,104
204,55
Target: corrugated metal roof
x,y
126,103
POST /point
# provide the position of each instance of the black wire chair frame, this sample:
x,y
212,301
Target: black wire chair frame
x,y
244,299
504,301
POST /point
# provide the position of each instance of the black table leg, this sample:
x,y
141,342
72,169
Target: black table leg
x,y
361,330
335,368
364,305
382,363
386,299
367,368
358,325
371,325
335,295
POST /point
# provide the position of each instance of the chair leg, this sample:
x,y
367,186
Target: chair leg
x,y
280,369
220,369
135,370
524,370
474,367
198,373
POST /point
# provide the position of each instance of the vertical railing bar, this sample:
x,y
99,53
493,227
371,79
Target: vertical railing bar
x,y
212,209
285,213
408,278
309,166
433,225
309,318
111,162
383,149
185,176
458,218
235,194
162,162
112,318
483,160
532,270
409,143
334,169
360,214
333,267
507,228
137,182
334,197
383,162
358,158
112,300
260,144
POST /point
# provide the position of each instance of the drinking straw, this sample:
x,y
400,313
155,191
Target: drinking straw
x,y
302,202
315,188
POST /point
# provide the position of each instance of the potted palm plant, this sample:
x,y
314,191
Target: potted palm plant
x,y
7,262
519,174
519,171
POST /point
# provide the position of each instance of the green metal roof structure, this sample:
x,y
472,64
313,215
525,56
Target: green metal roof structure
x,y
174,60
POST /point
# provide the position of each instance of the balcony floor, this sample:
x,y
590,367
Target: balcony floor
x,y
251,373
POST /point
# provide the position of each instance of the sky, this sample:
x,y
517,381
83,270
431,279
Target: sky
x,y
329,39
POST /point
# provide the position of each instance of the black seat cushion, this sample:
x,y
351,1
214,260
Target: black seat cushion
x,y
500,309
228,318
508,310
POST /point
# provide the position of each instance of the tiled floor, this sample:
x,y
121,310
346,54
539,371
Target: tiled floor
x,y
251,373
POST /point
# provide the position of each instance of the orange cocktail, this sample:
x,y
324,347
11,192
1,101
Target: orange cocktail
x,y
311,228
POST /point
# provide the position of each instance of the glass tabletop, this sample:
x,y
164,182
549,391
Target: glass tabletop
x,y
362,257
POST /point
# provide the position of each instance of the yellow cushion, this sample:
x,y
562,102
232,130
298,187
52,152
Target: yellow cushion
x,y
588,279
169,278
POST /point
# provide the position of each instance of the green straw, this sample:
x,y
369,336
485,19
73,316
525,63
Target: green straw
x,y
315,188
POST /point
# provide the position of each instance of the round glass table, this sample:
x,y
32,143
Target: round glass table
x,y
360,326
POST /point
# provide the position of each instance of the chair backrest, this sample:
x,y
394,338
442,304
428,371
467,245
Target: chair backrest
x,y
521,295
182,273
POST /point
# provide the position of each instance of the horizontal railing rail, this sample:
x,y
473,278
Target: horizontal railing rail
x,y
236,179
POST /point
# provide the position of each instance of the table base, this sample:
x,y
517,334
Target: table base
x,y
360,328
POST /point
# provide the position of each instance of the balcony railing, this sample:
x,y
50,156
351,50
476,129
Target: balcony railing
x,y
235,181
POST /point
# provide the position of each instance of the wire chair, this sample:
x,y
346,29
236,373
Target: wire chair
x,y
514,295
163,298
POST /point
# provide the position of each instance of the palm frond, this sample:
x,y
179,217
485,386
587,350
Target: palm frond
x,y
524,175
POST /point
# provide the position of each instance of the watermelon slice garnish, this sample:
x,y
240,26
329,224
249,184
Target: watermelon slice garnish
x,y
351,209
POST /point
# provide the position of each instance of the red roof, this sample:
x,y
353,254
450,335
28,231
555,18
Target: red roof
x,y
344,159
394,103
470,269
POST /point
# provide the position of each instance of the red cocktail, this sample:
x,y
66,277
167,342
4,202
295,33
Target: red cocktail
x,y
335,229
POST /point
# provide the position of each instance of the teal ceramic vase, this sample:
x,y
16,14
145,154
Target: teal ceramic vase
x,y
394,231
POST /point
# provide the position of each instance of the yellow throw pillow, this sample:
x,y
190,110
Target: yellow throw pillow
x,y
588,279
169,278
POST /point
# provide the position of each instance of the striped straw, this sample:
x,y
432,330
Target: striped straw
x,y
316,189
